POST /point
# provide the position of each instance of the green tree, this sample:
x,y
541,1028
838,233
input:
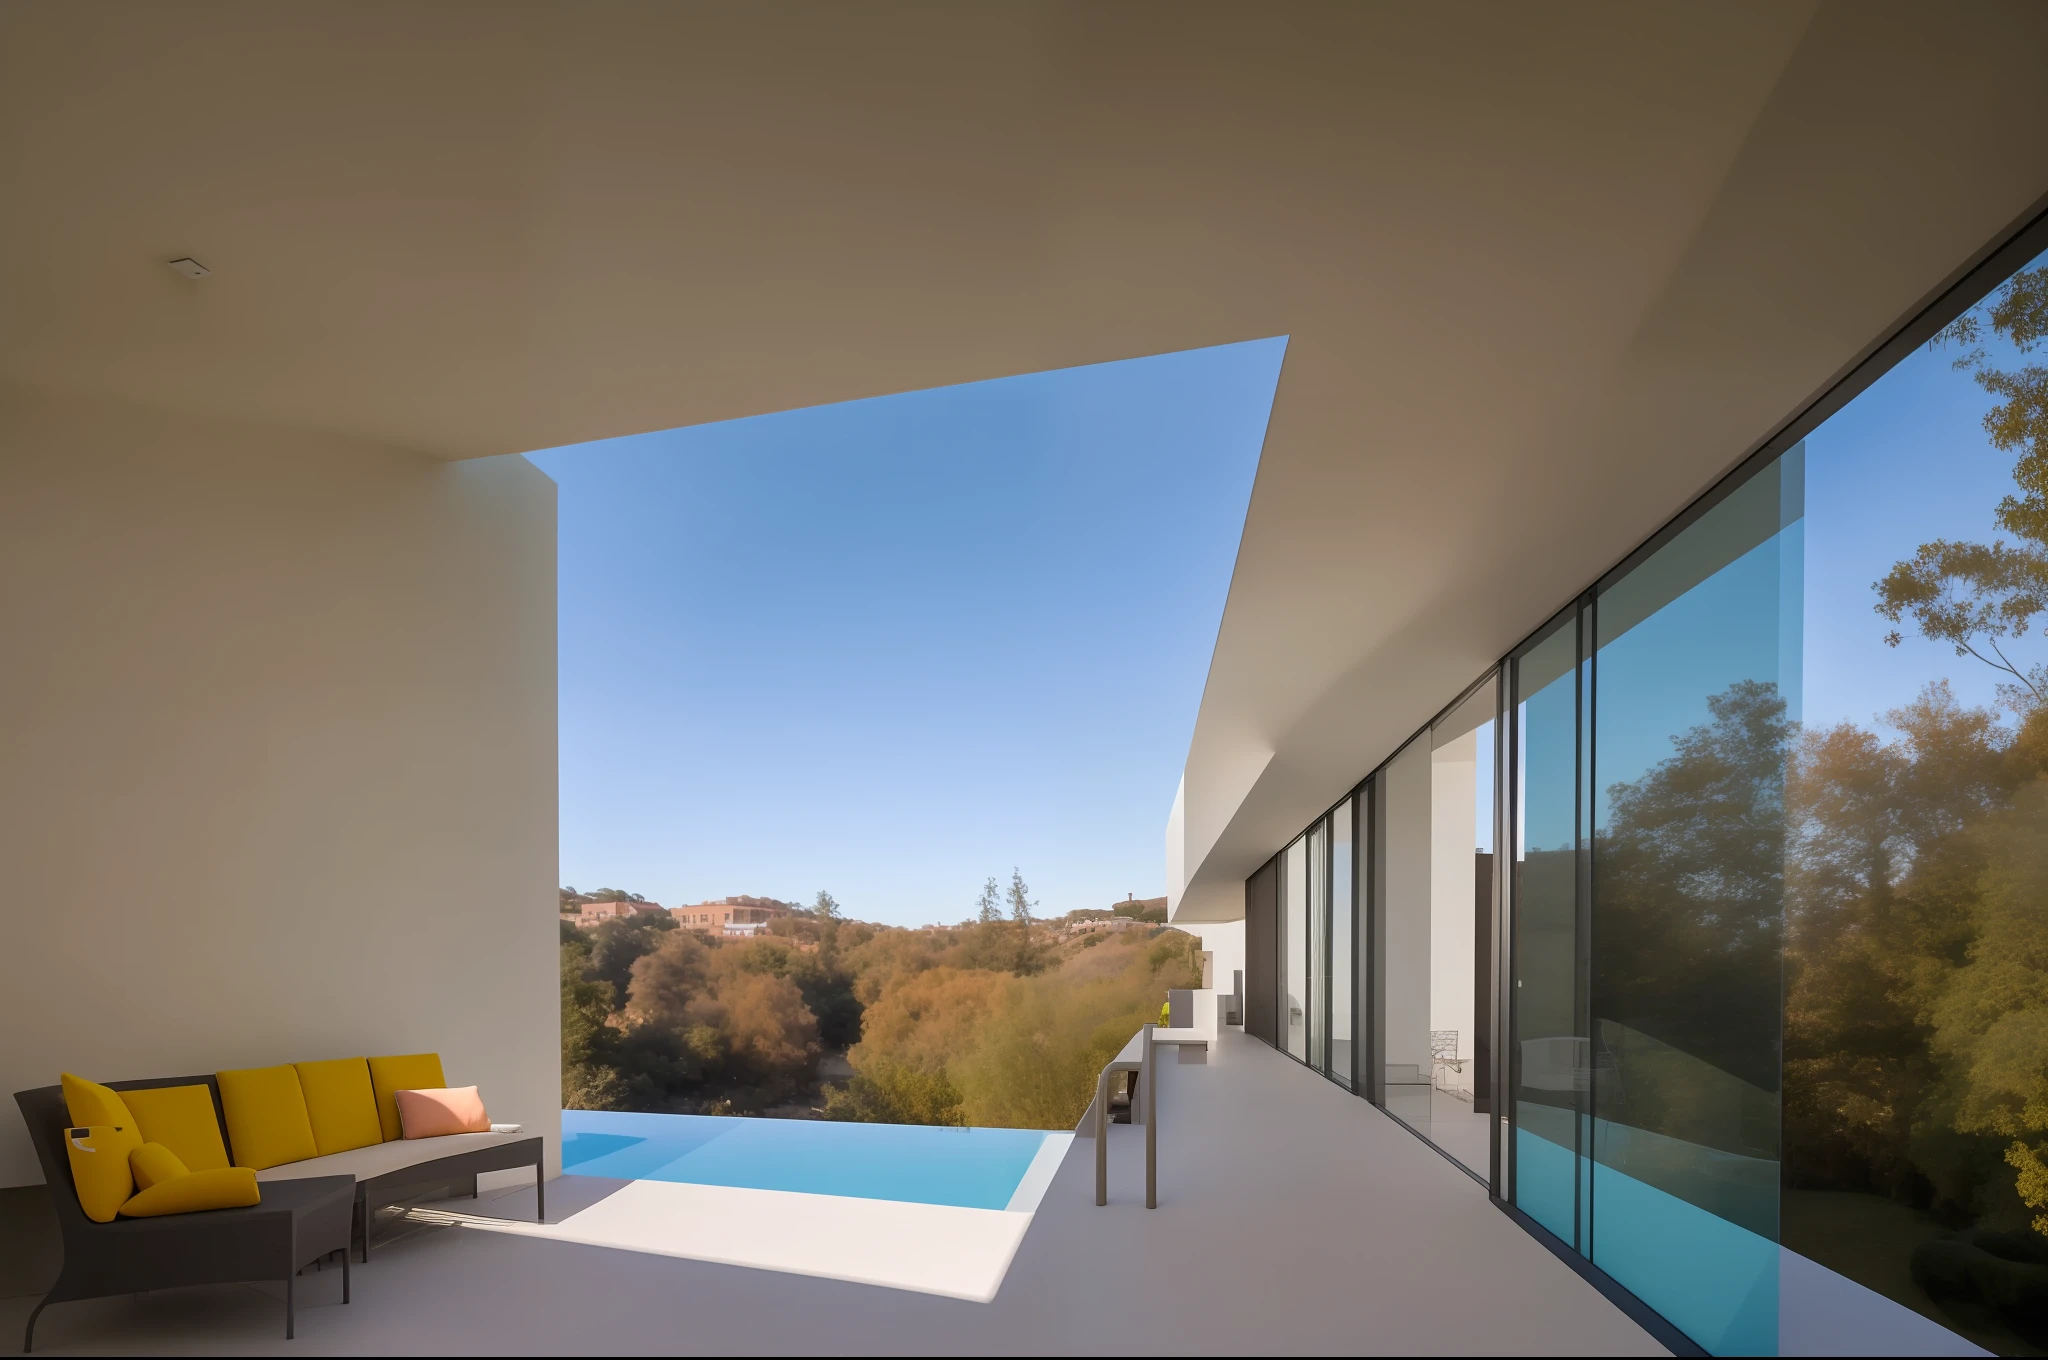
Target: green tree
x,y
1690,896
590,1076
826,906
706,1014
1883,892
1020,900
892,1092
826,989
990,907
1990,1016
1036,1056
1029,953
616,945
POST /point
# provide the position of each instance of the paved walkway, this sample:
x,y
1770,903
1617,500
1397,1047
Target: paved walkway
x,y
1293,1218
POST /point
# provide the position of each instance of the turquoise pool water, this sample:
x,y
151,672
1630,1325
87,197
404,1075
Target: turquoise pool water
x,y
972,1168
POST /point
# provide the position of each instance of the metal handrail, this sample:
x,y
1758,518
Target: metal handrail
x,y
1149,1076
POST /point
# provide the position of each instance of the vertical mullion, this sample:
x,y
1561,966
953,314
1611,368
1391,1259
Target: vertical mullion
x,y
1498,1039
1376,915
1582,1209
1357,927
1592,737
1280,950
1511,1055
1329,940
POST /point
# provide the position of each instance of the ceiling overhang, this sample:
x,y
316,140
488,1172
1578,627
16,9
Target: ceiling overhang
x,y
1546,270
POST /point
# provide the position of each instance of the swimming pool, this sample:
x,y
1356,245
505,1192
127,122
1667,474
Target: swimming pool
x,y
970,1168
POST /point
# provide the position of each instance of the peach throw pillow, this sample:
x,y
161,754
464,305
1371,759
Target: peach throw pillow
x,y
437,1113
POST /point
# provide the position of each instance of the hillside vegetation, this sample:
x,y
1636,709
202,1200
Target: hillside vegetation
x,y
997,1022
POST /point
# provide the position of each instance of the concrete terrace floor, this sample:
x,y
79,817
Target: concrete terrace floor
x,y
1293,1218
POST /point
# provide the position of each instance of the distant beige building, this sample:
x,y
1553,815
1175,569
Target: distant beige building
x,y
591,914
741,915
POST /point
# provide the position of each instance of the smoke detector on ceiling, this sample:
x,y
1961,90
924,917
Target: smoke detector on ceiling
x,y
190,268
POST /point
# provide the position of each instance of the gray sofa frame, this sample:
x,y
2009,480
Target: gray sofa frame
x,y
298,1224
408,1182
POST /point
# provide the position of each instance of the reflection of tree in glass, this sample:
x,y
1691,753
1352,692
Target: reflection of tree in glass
x,y
1916,1009
1689,892
1951,944
1980,596
1884,882
1910,878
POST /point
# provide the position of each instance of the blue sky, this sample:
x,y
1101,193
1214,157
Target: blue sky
x,y
1904,463
892,647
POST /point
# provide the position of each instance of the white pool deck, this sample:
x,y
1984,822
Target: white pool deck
x,y
1292,1219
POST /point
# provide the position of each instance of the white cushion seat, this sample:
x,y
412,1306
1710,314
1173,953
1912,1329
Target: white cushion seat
x,y
379,1159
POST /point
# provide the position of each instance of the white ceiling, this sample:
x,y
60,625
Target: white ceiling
x,y
1547,269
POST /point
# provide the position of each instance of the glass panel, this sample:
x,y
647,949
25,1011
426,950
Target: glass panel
x,y
1547,1041
1779,882
1695,702
1439,886
1318,949
1294,948
1342,951
1916,959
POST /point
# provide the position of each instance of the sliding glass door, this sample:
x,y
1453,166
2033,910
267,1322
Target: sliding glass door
x,y
1651,746
1549,1061
1437,932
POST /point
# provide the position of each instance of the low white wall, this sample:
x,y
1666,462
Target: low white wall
x,y
277,756
1225,942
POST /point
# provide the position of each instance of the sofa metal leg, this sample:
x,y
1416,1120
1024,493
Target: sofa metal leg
x,y
540,1195
344,1275
28,1336
289,1282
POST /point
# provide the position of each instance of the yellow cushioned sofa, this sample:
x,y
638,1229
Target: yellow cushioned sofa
x,y
340,1118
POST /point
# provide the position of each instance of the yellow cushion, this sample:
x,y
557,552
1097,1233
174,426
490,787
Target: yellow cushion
x,y
406,1072
183,1119
91,1104
153,1164
231,1187
341,1104
267,1121
99,1168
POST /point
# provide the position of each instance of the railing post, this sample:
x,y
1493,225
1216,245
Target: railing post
x,y
1102,1136
1144,1101
1151,1123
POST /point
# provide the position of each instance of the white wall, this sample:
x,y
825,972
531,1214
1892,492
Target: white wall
x,y
277,756
1225,941
1454,831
